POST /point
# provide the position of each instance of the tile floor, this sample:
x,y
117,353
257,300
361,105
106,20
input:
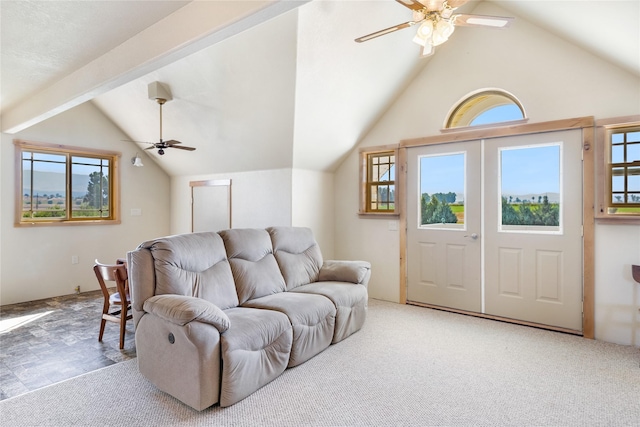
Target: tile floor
x,y
57,340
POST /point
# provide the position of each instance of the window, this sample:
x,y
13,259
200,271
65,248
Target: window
x,y
484,107
57,184
442,191
530,188
619,169
378,181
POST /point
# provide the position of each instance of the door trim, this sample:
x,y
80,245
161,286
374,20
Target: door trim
x,y
587,125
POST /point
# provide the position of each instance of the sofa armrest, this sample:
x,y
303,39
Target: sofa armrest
x,y
180,309
345,271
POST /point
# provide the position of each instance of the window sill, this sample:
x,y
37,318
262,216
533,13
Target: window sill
x,y
67,223
621,220
374,215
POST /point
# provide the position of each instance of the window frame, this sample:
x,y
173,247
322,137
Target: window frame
x,y
476,103
113,157
365,183
604,129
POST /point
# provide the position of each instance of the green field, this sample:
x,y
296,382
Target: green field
x,y
625,210
458,210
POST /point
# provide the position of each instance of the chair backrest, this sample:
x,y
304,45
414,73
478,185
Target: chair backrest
x,y
111,273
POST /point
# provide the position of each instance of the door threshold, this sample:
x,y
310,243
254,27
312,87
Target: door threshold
x,y
498,318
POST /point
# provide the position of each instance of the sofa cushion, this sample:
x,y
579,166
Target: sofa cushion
x,y
255,350
350,301
255,270
297,253
312,318
194,265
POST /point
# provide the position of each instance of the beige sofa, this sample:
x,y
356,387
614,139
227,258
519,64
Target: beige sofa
x,y
219,315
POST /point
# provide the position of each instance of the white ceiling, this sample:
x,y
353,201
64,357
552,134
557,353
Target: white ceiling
x,y
256,85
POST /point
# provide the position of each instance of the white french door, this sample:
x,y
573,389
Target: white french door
x,y
495,227
444,256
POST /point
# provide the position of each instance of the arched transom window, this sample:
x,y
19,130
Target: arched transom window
x,y
484,107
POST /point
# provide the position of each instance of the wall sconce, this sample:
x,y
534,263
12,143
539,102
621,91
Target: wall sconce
x,y
136,161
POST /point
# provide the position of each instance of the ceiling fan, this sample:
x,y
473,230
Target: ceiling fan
x,y
162,145
437,22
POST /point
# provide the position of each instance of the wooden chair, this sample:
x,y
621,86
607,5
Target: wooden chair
x,y
114,273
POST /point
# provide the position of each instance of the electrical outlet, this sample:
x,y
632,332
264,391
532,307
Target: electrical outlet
x,y
136,212
74,259
77,289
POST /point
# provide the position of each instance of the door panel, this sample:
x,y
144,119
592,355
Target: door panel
x,y
443,258
533,272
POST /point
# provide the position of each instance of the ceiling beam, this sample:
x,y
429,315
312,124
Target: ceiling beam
x,y
193,27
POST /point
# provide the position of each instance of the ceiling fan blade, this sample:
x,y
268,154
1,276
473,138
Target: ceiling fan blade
x,y
151,148
385,31
182,147
454,4
427,50
137,142
411,4
482,21
171,142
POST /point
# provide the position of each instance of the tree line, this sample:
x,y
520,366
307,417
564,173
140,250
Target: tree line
x,y
436,209
544,213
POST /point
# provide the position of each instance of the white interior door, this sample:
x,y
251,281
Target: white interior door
x,y
210,205
514,247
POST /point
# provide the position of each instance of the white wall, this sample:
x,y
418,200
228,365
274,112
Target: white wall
x,y
313,206
35,263
617,294
259,199
554,80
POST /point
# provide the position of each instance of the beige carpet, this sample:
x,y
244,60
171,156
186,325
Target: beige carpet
x,y
407,366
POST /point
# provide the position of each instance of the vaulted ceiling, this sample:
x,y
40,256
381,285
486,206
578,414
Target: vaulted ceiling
x,y
255,84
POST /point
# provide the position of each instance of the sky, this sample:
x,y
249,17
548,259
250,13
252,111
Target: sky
x,y
531,170
523,170
442,174
526,170
497,114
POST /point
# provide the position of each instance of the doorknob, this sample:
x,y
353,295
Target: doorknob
x,y
474,236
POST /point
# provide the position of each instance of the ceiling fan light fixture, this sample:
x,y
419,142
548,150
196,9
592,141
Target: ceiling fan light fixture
x,y
136,161
442,32
424,33
425,29
419,40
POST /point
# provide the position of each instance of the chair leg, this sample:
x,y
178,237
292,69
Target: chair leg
x,y
103,322
123,324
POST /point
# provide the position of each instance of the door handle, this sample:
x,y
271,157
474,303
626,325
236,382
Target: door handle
x,y
474,236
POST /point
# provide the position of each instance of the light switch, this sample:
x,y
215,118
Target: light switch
x,y
136,212
393,225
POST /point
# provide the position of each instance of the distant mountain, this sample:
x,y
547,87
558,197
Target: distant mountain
x,y
54,183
